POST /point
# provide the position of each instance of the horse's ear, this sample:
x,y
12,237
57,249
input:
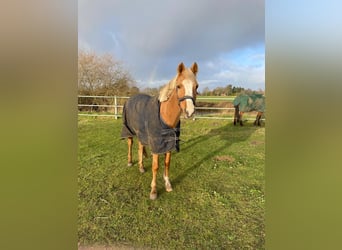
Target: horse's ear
x,y
194,68
181,68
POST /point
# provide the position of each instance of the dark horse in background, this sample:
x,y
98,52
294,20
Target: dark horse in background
x,y
247,103
156,121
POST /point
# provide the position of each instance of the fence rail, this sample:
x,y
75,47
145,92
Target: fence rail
x,y
116,103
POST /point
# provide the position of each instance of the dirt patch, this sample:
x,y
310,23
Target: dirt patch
x,y
226,158
256,143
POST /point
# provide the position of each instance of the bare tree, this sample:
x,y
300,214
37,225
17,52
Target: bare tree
x,y
102,75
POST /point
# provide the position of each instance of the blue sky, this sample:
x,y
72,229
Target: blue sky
x,y
226,38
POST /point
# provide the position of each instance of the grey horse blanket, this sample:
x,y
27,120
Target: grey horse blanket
x,y
141,118
247,103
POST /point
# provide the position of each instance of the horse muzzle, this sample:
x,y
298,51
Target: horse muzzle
x,y
188,114
190,105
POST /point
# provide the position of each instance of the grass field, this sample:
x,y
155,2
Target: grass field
x,y
218,189
215,99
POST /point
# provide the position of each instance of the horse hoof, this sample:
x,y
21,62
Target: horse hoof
x,y
153,196
168,187
129,164
142,170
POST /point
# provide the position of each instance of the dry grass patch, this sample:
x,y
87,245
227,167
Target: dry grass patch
x,y
226,158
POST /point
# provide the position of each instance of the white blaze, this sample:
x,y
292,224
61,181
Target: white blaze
x,y
190,108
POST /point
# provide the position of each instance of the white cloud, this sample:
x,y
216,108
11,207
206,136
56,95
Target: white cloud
x,y
251,77
152,37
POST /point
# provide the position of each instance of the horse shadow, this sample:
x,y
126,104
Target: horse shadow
x,y
225,133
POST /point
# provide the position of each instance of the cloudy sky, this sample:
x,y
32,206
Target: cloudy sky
x,y
225,38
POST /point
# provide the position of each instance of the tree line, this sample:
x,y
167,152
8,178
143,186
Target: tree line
x,y
228,90
103,75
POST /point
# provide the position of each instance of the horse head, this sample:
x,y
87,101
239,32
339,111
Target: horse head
x,y
187,88
184,85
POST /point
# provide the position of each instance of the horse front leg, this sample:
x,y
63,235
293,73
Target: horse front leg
x,y
155,166
141,152
167,161
240,118
129,143
236,114
257,119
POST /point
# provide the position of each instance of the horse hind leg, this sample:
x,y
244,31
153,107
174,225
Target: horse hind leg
x,y
168,186
155,166
141,152
144,152
256,120
129,143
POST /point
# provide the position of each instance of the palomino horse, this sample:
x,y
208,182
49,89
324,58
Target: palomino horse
x,y
156,121
247,103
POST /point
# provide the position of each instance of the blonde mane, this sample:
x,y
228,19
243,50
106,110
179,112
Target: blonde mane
x,y
165,92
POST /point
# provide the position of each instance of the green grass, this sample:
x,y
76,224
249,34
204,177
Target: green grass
x,y
203,98
218,189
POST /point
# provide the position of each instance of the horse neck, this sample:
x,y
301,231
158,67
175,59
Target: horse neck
x,y
170,110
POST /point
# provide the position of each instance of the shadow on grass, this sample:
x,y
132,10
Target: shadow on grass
x,y
228,134
225,134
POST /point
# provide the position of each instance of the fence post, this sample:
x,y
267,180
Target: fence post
x,y
116,108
